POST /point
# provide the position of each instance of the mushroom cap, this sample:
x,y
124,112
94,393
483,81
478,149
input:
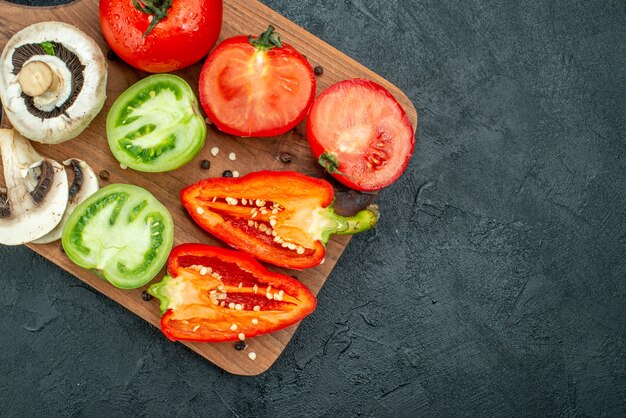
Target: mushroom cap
x,y
89,100
31,206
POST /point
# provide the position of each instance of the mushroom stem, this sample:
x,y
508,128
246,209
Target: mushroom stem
x,y
37,78
17,156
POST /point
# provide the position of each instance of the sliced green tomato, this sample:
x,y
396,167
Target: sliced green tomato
x,y
122,233
156,125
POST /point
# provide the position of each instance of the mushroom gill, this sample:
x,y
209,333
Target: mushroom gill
x,y
5,205
44,181
77,183
29,53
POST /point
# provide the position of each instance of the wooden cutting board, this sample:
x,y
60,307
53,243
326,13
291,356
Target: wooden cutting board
x,y
240,17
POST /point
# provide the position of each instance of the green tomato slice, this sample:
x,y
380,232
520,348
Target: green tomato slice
x,y
156,124
122,233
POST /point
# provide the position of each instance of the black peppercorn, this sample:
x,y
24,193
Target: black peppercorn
x,y
205,164
319,70
227,173
61,248
111,55
285,157
240,345
146,296
104,175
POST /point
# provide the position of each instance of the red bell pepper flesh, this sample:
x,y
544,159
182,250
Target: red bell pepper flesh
x,y
281,217
213,294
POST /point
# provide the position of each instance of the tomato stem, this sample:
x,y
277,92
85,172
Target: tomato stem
x,y
157,8
330,163
267,40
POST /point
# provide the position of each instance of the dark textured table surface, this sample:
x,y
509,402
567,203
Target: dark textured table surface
x,y
495,283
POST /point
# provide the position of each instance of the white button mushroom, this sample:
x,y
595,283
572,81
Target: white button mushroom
x,y
36,194
52,81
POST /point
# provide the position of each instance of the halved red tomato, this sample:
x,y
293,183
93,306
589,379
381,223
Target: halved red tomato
x,y
256,86
360,134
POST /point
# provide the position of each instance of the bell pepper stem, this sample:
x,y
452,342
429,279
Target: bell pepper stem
x,y
159,291
348,225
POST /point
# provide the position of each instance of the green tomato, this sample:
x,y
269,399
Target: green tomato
x,y
122,233
156,124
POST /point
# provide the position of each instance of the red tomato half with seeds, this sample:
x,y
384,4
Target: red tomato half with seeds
x,y
360,134
161,35
256,86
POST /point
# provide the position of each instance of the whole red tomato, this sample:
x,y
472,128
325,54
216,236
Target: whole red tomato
x,y
185,31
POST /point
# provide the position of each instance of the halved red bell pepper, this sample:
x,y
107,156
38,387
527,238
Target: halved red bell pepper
x,y
281,217
213,294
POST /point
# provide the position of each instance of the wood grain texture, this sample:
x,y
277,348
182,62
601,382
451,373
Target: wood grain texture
x,y
247,17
